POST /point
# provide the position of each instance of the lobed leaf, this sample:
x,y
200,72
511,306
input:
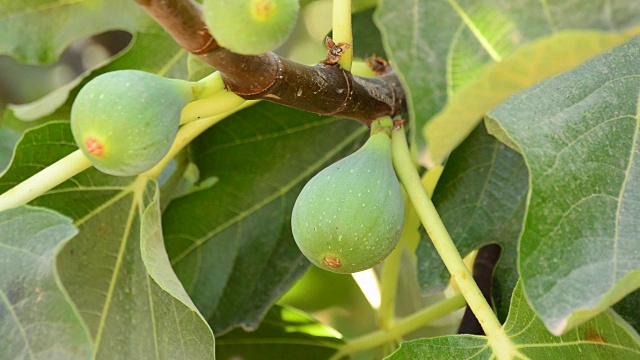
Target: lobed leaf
x,y
37,320
127,311
458,59
55,24
151,50
578,133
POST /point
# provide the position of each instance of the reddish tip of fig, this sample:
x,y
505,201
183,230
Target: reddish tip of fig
x,y
94,147
332,261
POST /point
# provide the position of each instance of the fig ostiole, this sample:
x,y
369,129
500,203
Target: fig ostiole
x,y
125,121
251,27
349,217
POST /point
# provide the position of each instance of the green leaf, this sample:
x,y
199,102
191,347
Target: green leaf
x,y
151,50
628,307
54,24
606,336
284,334
366,37
8,140
231,244
104,269
37,321
458,59
197,68
481,198
578,133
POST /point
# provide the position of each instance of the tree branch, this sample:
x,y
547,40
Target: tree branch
x,y
322,89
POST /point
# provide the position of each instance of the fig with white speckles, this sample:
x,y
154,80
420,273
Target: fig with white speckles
x,y
349,217
125,121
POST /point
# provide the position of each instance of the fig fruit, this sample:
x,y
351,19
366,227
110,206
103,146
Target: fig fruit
x,y
251,27
125,121
349,217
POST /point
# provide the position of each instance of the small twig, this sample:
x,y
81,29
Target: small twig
x,y
326,90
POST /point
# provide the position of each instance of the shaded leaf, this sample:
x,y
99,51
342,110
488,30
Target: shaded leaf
x,y
37,321
578,133
628,307
458,54
481,198
102,268
54,24
231,244
284,334
606,336
366,37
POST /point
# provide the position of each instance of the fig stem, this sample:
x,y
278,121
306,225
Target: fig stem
x,y
497,338
187,133
45,180
218,103
74,163
342,32
389,288
208,85
402,327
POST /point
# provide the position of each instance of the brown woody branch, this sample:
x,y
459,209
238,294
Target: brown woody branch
x,y
322,89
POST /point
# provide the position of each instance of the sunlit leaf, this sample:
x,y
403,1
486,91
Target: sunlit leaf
x,y
458,59
578,133
284,334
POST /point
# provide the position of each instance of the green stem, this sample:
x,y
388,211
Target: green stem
x,y
342,30
188,132
45,180
389,288
402,327
502,346
208,85
218,103
74,163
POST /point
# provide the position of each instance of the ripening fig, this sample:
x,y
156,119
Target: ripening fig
x,y
349,217
251,27
125,121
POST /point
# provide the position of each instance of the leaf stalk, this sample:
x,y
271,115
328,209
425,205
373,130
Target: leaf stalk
x,y
402,327
502,346
45,180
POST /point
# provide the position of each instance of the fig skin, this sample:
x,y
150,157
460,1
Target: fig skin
x,y
125,121
349,217
251,27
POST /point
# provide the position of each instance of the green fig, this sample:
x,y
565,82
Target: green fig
x,y
125,121
251,27
349,217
